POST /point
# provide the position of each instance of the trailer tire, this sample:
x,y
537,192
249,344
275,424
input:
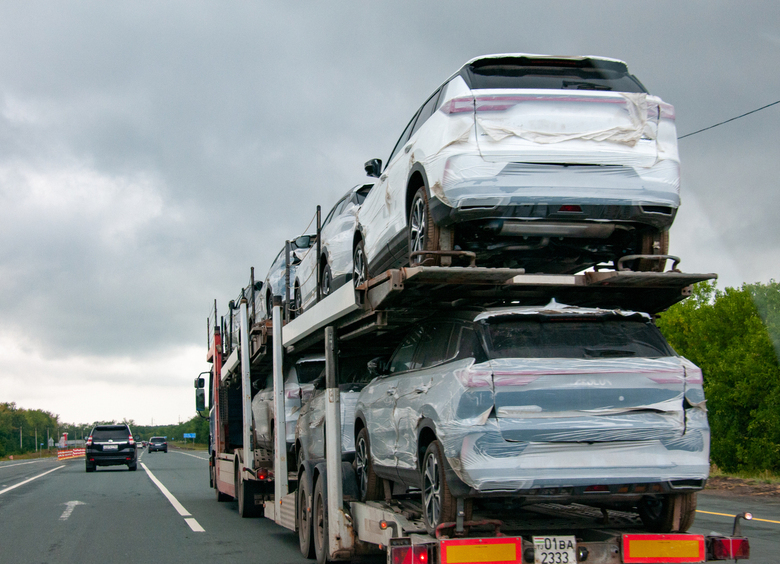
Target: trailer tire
x,y
304,518
370,486
245,495
320,524
658,514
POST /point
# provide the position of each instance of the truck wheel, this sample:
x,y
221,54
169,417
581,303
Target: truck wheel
x,y
359,265
658,513
423,235
369,484
320,524
439,505
245,494
305,518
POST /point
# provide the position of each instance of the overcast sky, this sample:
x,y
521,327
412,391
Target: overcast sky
x,y
152,152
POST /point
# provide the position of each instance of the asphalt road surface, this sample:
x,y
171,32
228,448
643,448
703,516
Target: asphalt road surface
x,y
165,512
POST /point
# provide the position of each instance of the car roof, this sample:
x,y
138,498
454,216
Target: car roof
x,y
555,308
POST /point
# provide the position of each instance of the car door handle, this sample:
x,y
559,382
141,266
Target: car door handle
x,y
408,148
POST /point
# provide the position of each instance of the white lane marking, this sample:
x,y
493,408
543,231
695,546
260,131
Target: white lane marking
x,y
8,489
194,525
188,454
175,502
69,509
19,463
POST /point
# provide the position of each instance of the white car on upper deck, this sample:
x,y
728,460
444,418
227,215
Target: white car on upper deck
x,y
552,164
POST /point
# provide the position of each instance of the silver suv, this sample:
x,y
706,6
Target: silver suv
x,y
534,405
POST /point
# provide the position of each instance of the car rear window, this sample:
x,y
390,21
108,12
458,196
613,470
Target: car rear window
x,y
552,74
158,440
308,371
582,338
110,433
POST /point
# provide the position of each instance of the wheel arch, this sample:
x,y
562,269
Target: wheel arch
x,y
426,434
417,179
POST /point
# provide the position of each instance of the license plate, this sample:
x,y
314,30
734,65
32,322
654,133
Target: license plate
x,y
555,550
110,447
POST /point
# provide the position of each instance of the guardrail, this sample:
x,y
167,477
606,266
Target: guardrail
x,y
64,454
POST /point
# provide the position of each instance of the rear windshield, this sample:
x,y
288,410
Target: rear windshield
x,y
158,440
308,371
110,433
582,338
557,75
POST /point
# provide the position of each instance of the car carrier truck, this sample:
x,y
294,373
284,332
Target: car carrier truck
x,y
318,498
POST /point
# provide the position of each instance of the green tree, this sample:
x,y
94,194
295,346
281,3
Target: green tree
x,y
733,336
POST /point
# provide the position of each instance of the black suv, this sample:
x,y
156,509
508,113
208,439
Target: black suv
x,y
111,445
158,443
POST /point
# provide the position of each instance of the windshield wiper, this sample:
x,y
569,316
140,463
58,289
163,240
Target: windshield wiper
x,y
608,352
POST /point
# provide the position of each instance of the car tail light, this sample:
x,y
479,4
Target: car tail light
x,y
471,378
570,208
666,111
729,548
417,554
458,105
693,375
132,440
597,489
293,394
89,440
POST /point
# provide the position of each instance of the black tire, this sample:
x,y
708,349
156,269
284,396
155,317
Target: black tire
x,y
439,505
297,305
326,284
245,495
320,524
652,243
132,467
359,264
422,233
304,518
269,305
90,468
657,513
370,487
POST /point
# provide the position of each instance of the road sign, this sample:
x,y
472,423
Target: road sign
x,y
188,435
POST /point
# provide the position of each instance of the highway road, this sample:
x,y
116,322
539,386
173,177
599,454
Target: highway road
x,y
54,512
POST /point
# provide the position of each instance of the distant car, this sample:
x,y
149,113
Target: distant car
x,y
552,164
158,443
537,405
335,258
298,388
111,445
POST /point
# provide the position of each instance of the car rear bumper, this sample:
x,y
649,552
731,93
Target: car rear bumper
x,y
102,459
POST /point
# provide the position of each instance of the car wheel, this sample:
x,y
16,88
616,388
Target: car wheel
x,y
269,305
90,467
326,283
369,484
439,505
132,467
359,265
422,233
305,532
652,243
297,307
657,513
320,524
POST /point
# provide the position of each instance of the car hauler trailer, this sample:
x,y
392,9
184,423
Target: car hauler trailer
x,y
320,501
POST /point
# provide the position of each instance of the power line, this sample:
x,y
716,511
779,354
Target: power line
x,y
732,119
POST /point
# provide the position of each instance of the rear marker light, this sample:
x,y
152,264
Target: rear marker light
x,y
570,209
597,489
417,554
730,548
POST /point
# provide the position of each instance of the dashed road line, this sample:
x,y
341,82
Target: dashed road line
x,y
193,524
20,463
8,489
188,454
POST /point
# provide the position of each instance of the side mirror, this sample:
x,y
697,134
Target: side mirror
x,y
377,367
303,242
200,383
200,400
258,285
373,167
